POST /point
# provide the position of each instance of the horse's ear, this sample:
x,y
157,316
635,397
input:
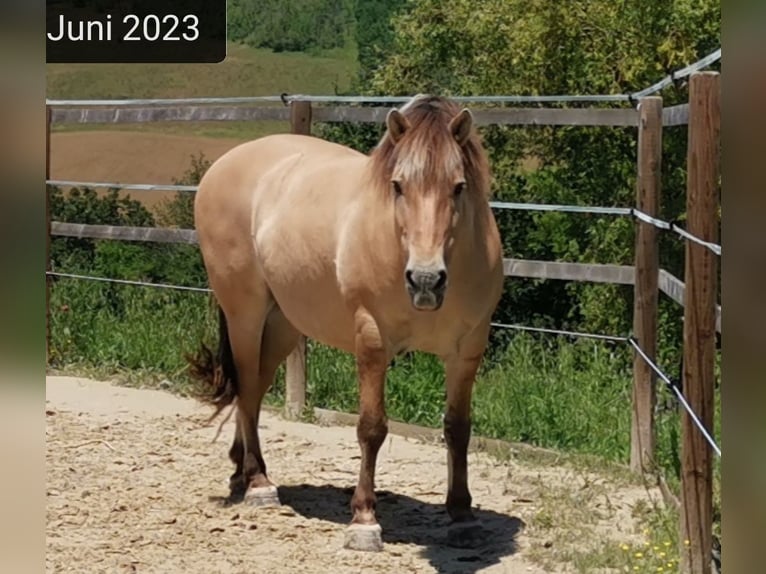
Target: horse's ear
x,y
460,126
397,124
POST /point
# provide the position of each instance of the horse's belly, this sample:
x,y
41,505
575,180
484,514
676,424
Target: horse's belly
x,y
304,286
318,313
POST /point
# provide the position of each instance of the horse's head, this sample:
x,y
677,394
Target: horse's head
x,y
432,166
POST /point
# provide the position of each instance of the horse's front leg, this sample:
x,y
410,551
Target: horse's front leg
x,y
364,533
460,371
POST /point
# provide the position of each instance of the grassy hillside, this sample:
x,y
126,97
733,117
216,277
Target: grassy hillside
x,y
245,72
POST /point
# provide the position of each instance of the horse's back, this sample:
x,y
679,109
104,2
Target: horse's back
x,y
231,188
233,176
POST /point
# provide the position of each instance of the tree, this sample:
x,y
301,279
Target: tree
x,y
298,25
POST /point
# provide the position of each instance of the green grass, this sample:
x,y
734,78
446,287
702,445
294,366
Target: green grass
x,y
117,329
245,72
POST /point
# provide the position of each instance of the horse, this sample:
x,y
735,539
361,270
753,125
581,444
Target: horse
x,y
375,254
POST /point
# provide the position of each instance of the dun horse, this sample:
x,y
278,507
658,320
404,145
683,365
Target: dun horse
x,y
373,254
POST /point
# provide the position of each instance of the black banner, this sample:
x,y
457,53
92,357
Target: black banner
x,y
135,31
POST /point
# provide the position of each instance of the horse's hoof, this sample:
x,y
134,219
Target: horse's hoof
x,y
466,534
364,537
262,496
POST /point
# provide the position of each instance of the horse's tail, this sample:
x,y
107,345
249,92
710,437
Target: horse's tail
x,y
217,372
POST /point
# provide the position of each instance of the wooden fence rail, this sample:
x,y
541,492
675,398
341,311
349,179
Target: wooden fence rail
x,y
527,268
672,116
702,315
195,113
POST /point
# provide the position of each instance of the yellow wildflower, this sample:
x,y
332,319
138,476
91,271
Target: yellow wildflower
x,y
667,543
624,546
639,555
662,555
687,543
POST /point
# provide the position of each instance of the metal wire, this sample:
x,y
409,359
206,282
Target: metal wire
x,y
645,217
679,74
165,102
129,282
516,99
679,395
134,186
576,334
714,247
564,208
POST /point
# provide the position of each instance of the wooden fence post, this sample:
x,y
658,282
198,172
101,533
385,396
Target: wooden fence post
x,y
47,236
645,293
295,365
699,321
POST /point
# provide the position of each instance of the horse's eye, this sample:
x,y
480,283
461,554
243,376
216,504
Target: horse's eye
x,y
397,188
459,188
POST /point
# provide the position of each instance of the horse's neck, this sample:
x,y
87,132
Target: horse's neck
x,y
472,231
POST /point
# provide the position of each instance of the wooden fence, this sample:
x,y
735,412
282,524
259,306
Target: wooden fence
x,y
697,294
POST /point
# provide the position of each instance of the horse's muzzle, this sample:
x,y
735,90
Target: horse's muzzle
x,y
426,287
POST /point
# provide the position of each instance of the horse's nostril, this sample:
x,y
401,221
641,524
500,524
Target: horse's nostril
x,y
441,280
409,276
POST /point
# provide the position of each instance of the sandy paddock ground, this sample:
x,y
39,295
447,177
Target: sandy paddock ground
x,y
135,484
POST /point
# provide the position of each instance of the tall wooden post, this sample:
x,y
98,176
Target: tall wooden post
x,y
699,321
47,236
295,365
645,292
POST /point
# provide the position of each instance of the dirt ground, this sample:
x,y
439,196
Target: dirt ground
x,y
131,157
135,484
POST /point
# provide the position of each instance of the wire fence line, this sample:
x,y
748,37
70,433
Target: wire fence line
x,y
510,99
560,332
673,387
659,223
575,334
129,186
711,58
561,208
128,282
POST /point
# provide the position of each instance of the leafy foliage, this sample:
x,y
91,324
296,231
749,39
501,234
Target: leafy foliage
x,y
548,47
297,26
374,33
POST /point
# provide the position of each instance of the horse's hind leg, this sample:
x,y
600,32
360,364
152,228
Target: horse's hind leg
x,y
276,340
245,330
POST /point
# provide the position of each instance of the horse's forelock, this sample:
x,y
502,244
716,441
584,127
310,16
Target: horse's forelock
x,y
427,139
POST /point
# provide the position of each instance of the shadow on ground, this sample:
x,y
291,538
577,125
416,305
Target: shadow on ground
x,y
406,520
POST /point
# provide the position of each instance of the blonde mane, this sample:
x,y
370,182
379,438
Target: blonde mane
x,y
429,142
